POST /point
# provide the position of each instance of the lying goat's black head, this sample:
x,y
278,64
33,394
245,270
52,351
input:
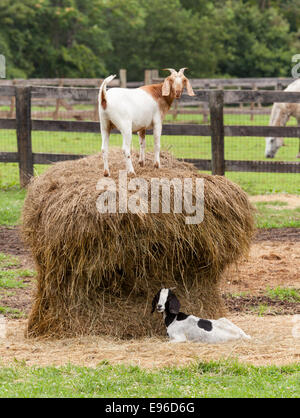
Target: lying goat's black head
x,y
165,301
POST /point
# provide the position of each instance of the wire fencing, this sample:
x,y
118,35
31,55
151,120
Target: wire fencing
x,y
232,136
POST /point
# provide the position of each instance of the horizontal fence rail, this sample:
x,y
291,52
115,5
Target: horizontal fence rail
x,y
236,82
215,100
168,129
230,96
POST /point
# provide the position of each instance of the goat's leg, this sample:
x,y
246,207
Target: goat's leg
x,y
127,138
105,131
157,133
177,338
142,140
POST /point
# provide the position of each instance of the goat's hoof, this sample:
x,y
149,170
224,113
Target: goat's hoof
x,y
156,165
106,173
142,163
131,173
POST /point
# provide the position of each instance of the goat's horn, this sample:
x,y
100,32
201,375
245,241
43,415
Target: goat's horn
x,y
169,69
181,71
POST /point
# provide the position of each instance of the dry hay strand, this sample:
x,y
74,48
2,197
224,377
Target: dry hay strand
x,y
97,273
272,343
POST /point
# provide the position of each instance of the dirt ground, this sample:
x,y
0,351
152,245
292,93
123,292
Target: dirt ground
x,y
291,201
272,343
274,260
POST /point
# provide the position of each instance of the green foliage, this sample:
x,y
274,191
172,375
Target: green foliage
x,y
92,38
284,293
50,38
251,42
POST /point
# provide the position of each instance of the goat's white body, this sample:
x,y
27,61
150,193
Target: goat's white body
x,y
222,331
129,110
132,108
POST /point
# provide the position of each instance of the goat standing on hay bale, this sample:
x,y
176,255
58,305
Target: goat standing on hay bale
x,y
182,327
135,110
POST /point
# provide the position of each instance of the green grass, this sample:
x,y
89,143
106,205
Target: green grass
x,y
260,309
11,312
11,203
268,216
266,183
284,293
212,379
273,203
7,261
12,278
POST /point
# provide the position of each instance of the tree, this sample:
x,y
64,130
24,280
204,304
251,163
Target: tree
x,y
160,34
252,43
94,38
55,38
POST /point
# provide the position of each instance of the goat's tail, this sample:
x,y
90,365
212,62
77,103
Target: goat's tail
x,y
102,91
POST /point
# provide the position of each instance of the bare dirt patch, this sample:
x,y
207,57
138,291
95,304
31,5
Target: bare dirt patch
x,y
17,300
272,343
292,201
263,305
270,264
10,241
276,234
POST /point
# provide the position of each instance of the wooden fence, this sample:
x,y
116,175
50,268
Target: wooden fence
x,y
69,111
216,99
278,83
64,109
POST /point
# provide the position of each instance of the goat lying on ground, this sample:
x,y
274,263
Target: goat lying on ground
x,y
182,327
135,110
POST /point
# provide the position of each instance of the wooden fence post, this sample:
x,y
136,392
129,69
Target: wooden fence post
x,y
216,102
12,104
205,105
123,78
154,74
148,77
23,121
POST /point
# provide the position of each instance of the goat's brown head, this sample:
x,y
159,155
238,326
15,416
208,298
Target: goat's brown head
x,y
175,83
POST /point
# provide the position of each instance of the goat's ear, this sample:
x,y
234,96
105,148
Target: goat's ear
x,y
174,305
189,87
166,87
154,302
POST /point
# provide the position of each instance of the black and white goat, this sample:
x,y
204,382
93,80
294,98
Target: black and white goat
x,y
182,327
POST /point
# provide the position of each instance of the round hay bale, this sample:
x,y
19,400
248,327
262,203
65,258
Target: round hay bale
x,y
97,273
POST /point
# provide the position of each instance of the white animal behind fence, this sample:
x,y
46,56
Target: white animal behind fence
x,y
135,110
182,327
281,113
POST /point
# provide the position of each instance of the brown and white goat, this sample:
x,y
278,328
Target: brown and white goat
x,y
135,110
